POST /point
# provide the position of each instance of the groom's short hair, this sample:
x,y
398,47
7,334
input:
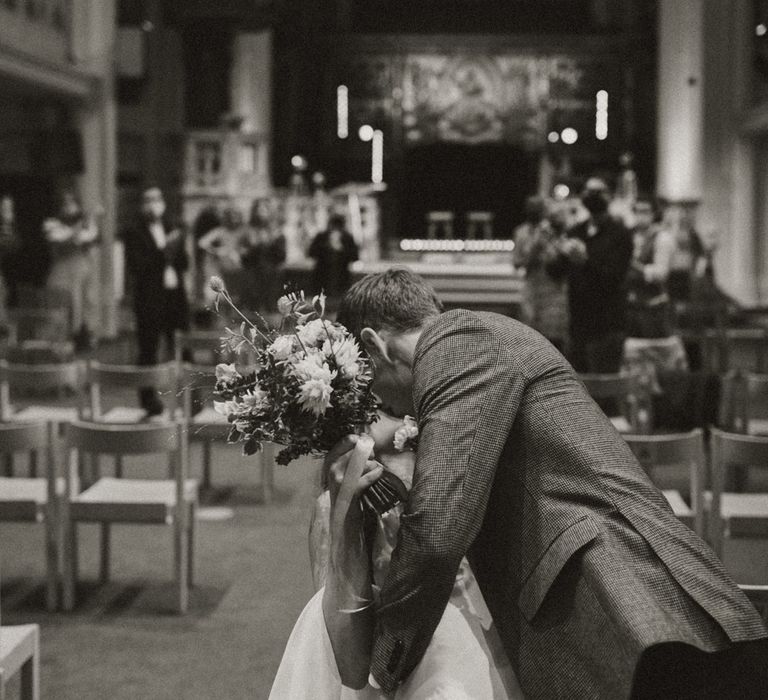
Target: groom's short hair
x,y
396,300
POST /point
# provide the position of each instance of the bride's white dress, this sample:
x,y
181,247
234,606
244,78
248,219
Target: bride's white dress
x,y
464,660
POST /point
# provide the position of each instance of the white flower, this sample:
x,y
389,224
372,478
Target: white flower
x,y
285,305
217,284
255,400
226,408
282,347
313,367
226,373
407,432
316,396
311,333
347,355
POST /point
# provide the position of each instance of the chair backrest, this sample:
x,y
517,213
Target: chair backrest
x,y
38,378
628,394
729,451
162,377
195,381
660,451
39,324
24,437
758,596
190,345
119,441
746,349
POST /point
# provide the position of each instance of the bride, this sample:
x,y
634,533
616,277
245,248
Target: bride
x,y
328,653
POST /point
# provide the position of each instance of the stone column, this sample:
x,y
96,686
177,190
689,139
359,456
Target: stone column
x,y
251,92
680,102
93,40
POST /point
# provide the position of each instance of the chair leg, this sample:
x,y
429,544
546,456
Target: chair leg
x,y
191,531
30,675
51,563
33,464
180,564
8,465
106,541
70,567
207,449
118,467
267,473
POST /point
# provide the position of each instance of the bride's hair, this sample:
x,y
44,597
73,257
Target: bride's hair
x,y
396,300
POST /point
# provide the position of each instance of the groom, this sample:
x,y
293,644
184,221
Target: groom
x,y
597,590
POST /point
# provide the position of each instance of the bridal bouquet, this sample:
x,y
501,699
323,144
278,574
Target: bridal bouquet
x,y
309,387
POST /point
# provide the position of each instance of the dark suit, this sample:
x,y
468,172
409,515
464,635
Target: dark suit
x,y
597,295
580,559
158,311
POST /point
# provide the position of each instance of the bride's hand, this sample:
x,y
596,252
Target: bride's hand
x,y
350,472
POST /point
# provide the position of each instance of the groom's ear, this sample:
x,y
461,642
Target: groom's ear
x,y
374,345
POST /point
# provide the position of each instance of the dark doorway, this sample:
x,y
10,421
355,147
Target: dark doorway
x,y
461,178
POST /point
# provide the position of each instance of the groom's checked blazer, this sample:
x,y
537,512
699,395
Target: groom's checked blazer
x,y
580,559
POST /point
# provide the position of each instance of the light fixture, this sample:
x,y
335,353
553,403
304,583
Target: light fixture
x,y
761,29
553,137
561,191
342,111
299,162
601,115
569,135
377,157
365,132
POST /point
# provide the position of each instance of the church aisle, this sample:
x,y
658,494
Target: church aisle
x,y
121,643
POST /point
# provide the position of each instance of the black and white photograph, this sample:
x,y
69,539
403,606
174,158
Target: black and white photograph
x,y
384,349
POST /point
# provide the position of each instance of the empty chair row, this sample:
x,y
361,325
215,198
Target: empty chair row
x,y
60,500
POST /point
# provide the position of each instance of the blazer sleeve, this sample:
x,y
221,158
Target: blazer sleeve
x,y
466,393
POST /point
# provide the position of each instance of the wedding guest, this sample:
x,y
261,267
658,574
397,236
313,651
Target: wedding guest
x,y
27,257
596,255
545,304
333,251
8,244
262,251
208,219
72,237
222,253
692,257
156,260
649,313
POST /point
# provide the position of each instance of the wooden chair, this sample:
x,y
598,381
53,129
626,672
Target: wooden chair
x,y
736,514
34,499
163,377
745,350
624,395
47,379
20,653
208,427
171,502
198,347
440,221
479,221
656,452
39,323
758,596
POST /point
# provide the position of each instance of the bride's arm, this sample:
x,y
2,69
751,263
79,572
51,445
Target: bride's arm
x,y
348,598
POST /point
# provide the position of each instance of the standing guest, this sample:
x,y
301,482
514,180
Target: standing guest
x,y
222,253
72,237
649,314
156,260
691,259
545,290
8,244
262,251
27,257
207,220
333,251
596,255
